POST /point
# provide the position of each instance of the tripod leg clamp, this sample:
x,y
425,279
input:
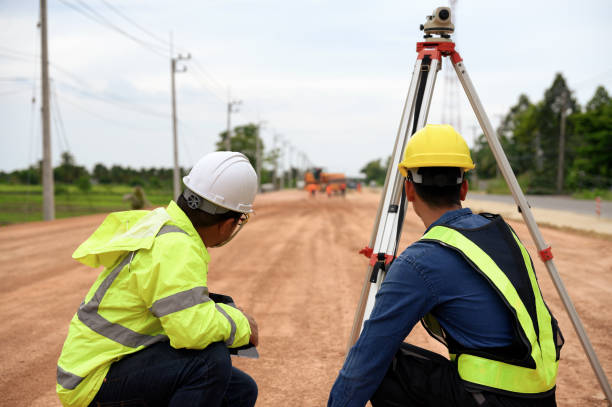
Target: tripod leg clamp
x,y
546,254
378,262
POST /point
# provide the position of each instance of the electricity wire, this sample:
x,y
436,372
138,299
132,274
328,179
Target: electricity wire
x,y
94,15
79,106
58,113
135,24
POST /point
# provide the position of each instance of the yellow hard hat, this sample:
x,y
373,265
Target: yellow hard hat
x,y
436,145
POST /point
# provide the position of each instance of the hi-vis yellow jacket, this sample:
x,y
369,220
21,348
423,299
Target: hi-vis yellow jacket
x,y
152,289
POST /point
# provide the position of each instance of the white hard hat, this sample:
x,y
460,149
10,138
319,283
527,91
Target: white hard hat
x,y
224,178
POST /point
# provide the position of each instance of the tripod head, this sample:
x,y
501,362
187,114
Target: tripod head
x,y
439,23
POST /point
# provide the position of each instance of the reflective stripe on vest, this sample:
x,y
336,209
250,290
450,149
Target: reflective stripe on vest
x,y
492,373
68,380
180,301
230,340
89,316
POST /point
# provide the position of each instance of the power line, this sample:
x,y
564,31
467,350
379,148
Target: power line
x,y
209,90
135,24
18,53
79,106
58,113
13,92
93,15
201,68
115,101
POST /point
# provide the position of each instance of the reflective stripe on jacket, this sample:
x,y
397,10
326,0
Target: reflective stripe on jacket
x,y
529,366
153,288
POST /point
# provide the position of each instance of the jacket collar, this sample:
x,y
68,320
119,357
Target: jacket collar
x,y
450,216
182,221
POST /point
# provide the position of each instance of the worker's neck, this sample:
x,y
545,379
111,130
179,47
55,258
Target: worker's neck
x,y
430,214
209,235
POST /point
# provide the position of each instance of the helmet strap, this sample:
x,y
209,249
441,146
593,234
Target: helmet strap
x,y
442,180
195,201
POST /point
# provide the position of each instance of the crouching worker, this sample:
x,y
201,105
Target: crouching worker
x,y
147,333
472,284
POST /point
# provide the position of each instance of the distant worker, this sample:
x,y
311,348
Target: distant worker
x,y
359,187
329,190
472,284
312,189
343,189
137,198
148,332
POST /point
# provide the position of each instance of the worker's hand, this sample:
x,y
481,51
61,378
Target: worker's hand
x,y
254,330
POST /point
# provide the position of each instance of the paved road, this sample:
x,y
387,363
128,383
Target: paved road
x,y
558,202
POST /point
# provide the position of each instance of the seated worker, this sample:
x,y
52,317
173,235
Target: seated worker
x,y
471,283
147,332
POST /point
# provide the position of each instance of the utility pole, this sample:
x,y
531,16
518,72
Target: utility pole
x,y
281,156
47,166
290,173
232,107
258,154
176,182
276,155
287,160
560,169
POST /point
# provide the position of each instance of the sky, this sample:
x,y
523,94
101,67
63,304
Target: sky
x,y
326,79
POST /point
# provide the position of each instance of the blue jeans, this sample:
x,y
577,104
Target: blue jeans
x,y
163,376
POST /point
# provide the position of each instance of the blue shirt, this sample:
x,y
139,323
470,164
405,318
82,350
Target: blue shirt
x,y
426,277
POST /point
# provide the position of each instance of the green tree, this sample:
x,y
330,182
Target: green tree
x,y
102,174
84,183
243,139
592,165
374,171
68,172
519,136
600,100
556,98
486,166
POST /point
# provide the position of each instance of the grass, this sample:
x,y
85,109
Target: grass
x,y
23,203
604,194
499,186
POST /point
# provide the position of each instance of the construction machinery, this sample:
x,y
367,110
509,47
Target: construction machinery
x,y
317,180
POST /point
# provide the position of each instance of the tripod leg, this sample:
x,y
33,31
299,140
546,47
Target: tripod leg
x,y
383,238
519,198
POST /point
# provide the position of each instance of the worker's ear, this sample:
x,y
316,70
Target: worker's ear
x,y
226,227
464,189
410,192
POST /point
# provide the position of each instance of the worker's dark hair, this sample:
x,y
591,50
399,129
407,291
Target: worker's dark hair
x,y
439,189
199,218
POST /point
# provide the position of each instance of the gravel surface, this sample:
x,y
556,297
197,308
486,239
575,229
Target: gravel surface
x,y
296,269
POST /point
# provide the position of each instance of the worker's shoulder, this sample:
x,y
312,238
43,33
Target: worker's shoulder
x,y
418,252
172,234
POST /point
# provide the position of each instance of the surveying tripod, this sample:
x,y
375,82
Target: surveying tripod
x,y
384,241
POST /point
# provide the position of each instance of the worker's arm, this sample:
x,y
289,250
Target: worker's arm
x,y
174,290
403,298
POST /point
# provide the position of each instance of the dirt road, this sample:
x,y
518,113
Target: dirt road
x,y
295,268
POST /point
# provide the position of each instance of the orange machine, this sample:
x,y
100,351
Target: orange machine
x,y
331,183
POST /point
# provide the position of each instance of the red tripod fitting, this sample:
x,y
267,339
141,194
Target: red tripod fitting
x,y
436,50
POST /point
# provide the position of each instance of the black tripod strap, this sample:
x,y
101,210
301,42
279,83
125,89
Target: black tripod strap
x,y
400,219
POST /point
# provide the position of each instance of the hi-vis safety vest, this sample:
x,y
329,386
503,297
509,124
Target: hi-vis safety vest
x,y
152,289
528,367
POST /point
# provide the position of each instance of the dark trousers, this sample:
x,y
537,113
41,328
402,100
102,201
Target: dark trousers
x,y
418,377
163,376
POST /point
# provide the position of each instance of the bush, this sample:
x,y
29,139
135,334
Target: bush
x,y
605,194
83,183
499,185
61,189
